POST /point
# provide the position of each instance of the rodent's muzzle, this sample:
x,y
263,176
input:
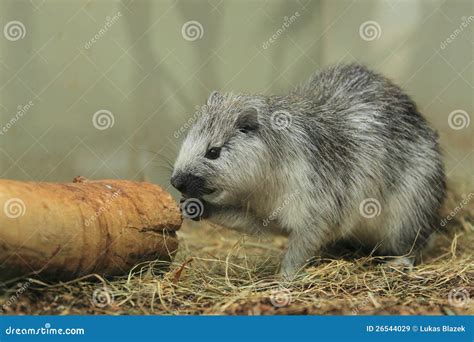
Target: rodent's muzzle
x,y
190,185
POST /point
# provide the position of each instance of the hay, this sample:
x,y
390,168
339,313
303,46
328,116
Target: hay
x,y
220,272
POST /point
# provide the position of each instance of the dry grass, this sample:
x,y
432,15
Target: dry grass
x,y
220,272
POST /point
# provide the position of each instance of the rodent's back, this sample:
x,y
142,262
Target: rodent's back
x,y
353,105
348,88
367,139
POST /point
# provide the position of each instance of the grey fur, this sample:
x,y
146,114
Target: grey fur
x,y
352,135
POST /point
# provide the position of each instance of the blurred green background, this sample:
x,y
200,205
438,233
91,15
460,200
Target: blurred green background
x,y
103,88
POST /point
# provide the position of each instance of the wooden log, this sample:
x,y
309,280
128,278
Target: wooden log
x,y
67,230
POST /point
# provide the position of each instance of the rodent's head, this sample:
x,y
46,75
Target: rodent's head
x,y
223,150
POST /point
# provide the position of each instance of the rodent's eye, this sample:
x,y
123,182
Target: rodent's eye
x,y
213,153
245,129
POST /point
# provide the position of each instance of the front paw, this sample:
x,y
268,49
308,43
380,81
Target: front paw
x,y
195,209
287,274
289,269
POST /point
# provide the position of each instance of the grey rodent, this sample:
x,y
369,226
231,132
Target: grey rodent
x,y
344,156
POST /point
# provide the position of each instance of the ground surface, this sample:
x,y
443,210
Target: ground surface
x,y
219,272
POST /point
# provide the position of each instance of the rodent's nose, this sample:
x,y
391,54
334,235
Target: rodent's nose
x,y
187,183
178,182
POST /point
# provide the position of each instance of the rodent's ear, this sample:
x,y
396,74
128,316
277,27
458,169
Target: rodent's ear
x,y
248,120
213,98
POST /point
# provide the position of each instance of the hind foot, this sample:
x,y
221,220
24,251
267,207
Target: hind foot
x,y
401,263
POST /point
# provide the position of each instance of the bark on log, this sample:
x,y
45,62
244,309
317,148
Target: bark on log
x,y
66,230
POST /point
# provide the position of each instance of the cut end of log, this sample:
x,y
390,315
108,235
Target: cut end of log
x,y
67,230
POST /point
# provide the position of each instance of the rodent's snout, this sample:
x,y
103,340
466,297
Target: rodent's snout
x,y
190,185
